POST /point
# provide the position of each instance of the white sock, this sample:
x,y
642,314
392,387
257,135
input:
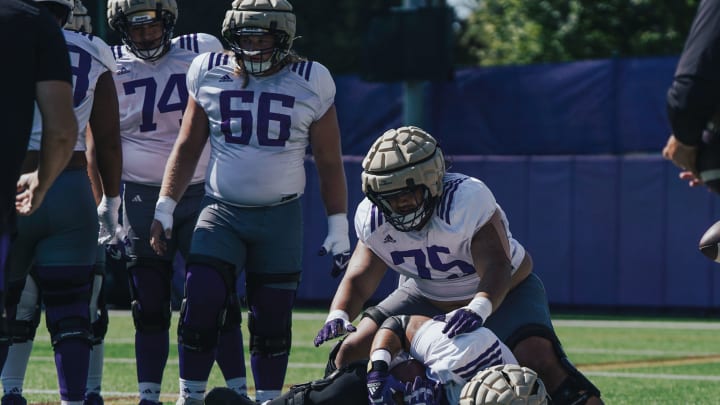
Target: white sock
x,y
238,385
71,402
266,395
95,370
149,391
13,373
193,389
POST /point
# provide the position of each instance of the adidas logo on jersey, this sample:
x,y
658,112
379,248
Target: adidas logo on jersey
x,y
136,198
389,239
122,70
225,79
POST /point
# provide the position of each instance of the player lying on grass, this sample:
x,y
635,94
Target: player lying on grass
x,y
412,362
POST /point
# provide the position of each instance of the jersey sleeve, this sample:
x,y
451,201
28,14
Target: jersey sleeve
x,y
467,204
209,43
97,48
195,71
324,86
362,215
104,53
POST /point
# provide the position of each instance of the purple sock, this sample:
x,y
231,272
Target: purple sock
x,y
151,288
230,348
271,309
72,357
151,354
205,293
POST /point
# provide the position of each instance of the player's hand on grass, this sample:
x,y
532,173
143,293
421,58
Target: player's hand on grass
x,y
337,324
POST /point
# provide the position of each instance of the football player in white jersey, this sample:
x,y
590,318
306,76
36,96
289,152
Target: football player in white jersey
x,y
450,241
57,245
449,362
261,107
150,78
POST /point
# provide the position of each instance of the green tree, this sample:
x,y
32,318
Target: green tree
x,y
533,31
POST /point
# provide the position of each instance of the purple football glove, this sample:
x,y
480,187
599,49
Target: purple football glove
x,y
333,328
462,320
381,385
340,261
423,392
122,249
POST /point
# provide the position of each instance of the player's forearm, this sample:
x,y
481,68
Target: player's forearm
x,y
333,188
60,129
386,339
178,173
105,127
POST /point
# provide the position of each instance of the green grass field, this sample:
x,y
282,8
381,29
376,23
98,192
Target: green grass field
x,y
633,361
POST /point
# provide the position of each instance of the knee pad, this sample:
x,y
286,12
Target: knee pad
x,y
270,321
100,326
203,339
70,323
70,327
197,339
576,389
233,313
98,311
376,314
26,299
22,330
151,321
270,344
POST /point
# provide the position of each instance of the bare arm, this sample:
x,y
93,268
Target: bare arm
x,y
92,167
364,273
184,157
60,131
105,125
325,143
179,169
491,256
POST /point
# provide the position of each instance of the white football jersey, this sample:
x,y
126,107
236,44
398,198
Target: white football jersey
x,y
259,134
152,98
454,361
90,57
436,260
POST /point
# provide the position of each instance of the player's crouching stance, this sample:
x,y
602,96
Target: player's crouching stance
x,y
451,243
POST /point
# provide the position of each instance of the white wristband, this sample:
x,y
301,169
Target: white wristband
x,y
382,355
165,205
113,203
338,313
338,223
481,306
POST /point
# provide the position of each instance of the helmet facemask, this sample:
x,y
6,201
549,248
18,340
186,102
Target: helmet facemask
x,y
255,18
406,221
154,48
258,61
